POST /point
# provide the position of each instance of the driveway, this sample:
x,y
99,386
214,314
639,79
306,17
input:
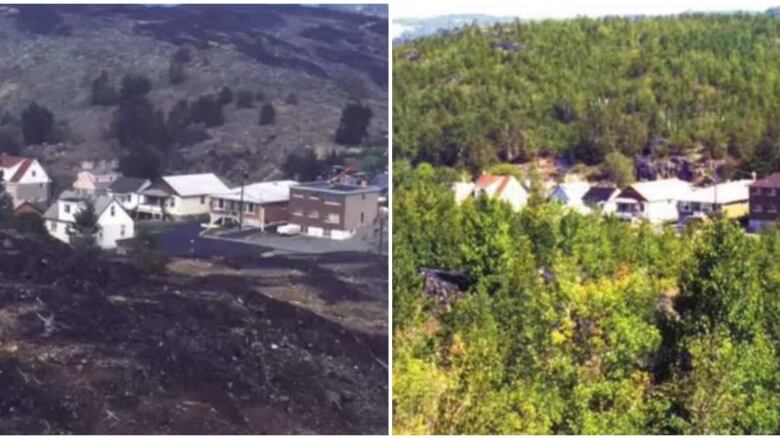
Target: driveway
x,y
184,241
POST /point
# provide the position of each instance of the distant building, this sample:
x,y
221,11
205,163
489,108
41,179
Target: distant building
x,y
655,201
504,188
764,201
731,198
264,204
92,181
601,198
24,179
179,196
571,195
113,221
127,190
335,211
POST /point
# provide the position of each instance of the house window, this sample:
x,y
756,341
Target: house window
x,y
173,202
202,199
362,217
113,210
67,208
221,203
122,230
314,197
772,192
250,208
297,195
314,214
53,226
33,173
333,218
298,212
772,209
758,208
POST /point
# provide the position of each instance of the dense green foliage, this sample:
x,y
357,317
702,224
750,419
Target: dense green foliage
x,y
103,93
578,324
588,87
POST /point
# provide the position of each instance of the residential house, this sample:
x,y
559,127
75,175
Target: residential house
x,y
30,208
571,195
264,204
127,190
601,198
93,181
179,196
655,201
337,211
499,187
764,201
24,179
113,221
731,198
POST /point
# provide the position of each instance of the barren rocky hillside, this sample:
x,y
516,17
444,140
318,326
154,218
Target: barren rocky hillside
x,y
325,57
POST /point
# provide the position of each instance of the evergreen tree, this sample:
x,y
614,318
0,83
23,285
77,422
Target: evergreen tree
x,y
103,93
6,203
37,124
84,230
353,127
267,114
244,99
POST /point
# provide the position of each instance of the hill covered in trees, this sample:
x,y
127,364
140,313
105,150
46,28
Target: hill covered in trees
x,y
550,322
190,87
586,87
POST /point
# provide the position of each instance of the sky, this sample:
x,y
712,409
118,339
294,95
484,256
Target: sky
x,y
539,9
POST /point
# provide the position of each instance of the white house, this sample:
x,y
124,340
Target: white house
x,y
179,196
571,195
24,179
730,198
264,204
601,198
127,190
113,221
655,200
499,187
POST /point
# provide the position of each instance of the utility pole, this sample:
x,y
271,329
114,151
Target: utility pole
x,y
241,203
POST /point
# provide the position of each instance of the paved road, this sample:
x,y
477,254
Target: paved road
x,y
183,241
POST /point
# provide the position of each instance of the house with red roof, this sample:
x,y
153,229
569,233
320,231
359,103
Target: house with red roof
x,y
499,187
764,202
24,179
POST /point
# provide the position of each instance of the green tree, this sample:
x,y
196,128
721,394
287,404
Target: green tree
x,y
103,93
353,126
37,124
619,168
84,230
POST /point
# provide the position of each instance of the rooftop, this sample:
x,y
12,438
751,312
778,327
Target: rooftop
x,y
264,192
326,186
769,181
190,185
724,193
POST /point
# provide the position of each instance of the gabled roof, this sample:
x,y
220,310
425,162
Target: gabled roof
x,y
770,181
126,185
493,185
9,161
599,194
102,202
265,192
658,190
574,191
191,185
